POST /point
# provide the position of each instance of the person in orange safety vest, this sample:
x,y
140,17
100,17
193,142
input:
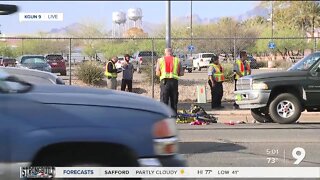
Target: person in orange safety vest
x,y
169,69
241,68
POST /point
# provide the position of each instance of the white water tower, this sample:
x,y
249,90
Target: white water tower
x,y
135,15
118,26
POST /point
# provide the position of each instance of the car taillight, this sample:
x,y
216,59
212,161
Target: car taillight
x,y
140,59
165,140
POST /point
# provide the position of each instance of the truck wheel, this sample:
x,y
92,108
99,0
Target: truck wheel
x,y
285,109
260,116
189,70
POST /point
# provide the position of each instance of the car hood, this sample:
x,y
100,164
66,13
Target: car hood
x,y
96,97
278,74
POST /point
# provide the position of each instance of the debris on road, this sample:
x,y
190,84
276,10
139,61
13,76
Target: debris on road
x,y
229,123
196,115
197,122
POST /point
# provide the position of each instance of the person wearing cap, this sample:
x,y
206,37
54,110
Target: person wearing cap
x,y
241,68
127,74
111,73
215,80
169,69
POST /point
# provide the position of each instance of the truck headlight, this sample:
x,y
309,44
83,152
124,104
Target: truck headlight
x,y
165,140
259,86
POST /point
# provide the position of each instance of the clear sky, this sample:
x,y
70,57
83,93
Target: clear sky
x,y
78,11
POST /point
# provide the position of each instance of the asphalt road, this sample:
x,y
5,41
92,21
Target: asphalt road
x,y
249,145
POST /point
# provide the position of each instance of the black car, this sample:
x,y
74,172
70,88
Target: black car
x,y
37,62
253,62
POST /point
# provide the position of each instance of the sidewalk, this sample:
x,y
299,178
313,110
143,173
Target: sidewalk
x,y
228,108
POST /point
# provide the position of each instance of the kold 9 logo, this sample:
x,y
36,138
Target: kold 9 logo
x,y
299,154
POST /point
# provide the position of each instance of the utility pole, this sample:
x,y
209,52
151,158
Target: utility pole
x,y
168,24
191,32
272,29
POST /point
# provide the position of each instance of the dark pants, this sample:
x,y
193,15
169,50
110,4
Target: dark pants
x,y
235,89
216,94
169,91
126,82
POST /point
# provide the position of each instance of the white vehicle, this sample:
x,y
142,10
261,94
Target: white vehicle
x,y
120,61
202,60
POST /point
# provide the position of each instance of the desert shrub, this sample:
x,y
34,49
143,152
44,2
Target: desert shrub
x,y
148,75
228,72
90,72
262,64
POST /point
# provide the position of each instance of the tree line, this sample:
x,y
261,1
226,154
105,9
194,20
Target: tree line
x,y
290,19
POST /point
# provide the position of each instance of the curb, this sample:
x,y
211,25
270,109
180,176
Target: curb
x,y
229,113
247,112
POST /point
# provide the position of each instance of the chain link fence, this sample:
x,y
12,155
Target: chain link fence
x,y
145,52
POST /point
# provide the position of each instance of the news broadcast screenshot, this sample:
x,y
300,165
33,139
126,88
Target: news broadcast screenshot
x,y
159,90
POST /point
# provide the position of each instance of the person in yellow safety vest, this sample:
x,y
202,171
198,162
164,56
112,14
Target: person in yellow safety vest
x,y
169,69
241,68
111,73
215,80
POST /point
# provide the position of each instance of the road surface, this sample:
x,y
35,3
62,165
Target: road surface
x,y
249,145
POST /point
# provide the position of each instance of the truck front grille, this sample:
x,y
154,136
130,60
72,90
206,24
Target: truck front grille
x,y
244,84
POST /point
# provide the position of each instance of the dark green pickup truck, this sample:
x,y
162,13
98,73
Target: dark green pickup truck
x,y
282,96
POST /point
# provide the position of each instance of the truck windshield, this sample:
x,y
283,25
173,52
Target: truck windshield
x,y
305,63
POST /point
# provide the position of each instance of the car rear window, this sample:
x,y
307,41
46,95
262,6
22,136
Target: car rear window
x,y
147,53
54,57
33,60
207,55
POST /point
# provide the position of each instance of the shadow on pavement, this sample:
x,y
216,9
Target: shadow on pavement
x,y
139,90
207,147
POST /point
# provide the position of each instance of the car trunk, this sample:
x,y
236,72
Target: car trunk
x,y
56,62
145,58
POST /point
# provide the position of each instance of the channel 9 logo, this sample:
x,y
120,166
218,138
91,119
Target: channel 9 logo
x,y
37,172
